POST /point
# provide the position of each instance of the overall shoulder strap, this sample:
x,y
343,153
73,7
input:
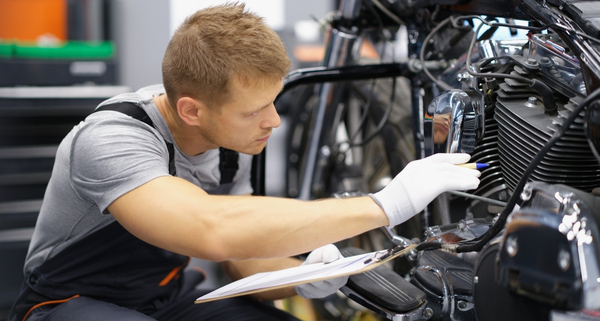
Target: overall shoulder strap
x,y
228,164
228,159
138,113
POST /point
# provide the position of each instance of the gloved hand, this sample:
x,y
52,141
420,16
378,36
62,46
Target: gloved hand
x,y
321,289
421,181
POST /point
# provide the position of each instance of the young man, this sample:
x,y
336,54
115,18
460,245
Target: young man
x,y
120,219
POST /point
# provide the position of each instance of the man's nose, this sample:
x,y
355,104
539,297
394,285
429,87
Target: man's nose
x,y
272,119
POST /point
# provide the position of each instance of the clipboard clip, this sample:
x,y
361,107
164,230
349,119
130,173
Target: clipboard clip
x,y
385,254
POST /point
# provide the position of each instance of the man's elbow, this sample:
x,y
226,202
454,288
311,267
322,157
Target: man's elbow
x,y
217,256
216,251
217,243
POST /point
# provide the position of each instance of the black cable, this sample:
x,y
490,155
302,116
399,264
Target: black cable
x,y
443,85
540,87
454,21
429,246
388,13
551,25
364,115
382,122
491,74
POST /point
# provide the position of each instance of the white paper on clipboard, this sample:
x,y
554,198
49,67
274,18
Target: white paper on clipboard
x,y
301,274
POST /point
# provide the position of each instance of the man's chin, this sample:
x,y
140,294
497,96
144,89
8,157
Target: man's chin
x,y
252,150
257,151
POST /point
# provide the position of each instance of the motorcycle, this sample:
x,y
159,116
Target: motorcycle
x,y
525,244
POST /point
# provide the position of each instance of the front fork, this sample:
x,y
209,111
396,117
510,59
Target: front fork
x,y
341,49
418,104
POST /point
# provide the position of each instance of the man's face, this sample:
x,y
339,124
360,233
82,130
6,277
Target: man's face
x,y
245,123
441,126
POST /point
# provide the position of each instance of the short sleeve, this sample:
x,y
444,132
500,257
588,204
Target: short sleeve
x,y
112,156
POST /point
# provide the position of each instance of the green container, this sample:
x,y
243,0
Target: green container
x,y
79,50
7,49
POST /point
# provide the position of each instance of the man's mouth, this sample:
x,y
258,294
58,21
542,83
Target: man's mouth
x,y
263,139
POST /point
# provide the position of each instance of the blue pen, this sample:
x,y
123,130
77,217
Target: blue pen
x,y
474,165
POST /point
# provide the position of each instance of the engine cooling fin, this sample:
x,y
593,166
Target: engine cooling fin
x,y
523,130
486,151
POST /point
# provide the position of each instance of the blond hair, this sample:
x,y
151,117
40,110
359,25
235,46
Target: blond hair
x,y
217,44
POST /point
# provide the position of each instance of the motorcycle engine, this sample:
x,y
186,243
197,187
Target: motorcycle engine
x,y
513,126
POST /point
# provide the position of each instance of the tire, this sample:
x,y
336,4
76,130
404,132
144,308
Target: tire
x,y
375,163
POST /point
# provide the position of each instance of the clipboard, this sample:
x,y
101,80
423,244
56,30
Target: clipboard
x,y
309,273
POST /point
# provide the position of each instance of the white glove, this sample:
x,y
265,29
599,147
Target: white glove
x,y
421,181
321,289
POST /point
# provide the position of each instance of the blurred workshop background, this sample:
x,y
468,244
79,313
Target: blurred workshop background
x,y
81,45
60,58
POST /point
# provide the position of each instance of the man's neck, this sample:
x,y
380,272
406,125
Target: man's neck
x,y
185,136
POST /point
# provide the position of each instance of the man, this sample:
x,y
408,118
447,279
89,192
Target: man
x,y
116,228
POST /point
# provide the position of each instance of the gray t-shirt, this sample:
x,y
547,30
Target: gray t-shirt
x,y
105,156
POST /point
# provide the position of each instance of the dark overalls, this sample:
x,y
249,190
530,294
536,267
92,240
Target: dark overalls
x,y
112,275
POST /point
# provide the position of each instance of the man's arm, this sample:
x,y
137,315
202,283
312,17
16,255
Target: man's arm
x,y
176,215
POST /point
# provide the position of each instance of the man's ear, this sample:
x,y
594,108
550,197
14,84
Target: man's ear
x,y
190,110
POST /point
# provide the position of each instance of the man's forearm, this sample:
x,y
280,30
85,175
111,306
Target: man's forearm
x,y
274,227
173,214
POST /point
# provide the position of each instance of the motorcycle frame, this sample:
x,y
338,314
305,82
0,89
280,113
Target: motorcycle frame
x,y
339,65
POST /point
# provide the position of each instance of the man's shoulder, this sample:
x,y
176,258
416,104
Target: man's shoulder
x,y
139,97
152,90
109,127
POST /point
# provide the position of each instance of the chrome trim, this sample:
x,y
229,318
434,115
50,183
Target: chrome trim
x,y
448,293
420,313
452,124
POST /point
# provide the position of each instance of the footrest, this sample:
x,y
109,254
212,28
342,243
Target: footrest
x,y
384,287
